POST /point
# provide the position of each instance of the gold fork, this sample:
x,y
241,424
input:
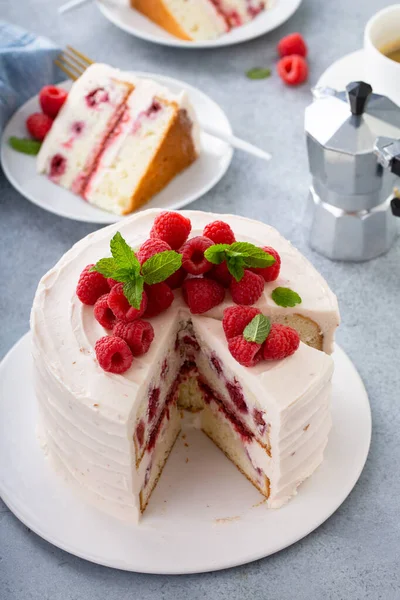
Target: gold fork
x,y
73,63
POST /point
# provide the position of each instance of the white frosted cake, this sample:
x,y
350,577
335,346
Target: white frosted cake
x,y
112,379
199,19
119,139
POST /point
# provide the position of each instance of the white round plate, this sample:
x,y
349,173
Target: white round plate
x,y
136,24
194,182
343,71
202,507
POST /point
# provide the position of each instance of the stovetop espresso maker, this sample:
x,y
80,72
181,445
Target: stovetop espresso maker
x,y
353,144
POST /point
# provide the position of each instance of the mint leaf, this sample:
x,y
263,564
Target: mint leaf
x,y
124,275
160,266
236,267
133,291
24,145
254,256
258,73
123,254
216,254
285,297
257,330
105,266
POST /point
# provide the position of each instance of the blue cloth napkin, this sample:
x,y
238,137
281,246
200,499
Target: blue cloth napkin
x,y
26,65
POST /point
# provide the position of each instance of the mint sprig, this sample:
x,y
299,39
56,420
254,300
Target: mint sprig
x,y
258,73
285,297
125,268
257,330
24,145
238,256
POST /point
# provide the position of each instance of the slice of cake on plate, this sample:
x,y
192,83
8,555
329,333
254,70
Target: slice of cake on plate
x,y
195,20
119,139
236,327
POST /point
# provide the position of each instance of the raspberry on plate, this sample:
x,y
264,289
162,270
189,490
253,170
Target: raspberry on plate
x,y
219,232
138,335
246,353
159,298
120,306
113,354
91,286
236,318
282,341
151,247
172,227
270,273
38,126
103,313
293,69
202,294
193,259
221,274
248,290
292,44
51,99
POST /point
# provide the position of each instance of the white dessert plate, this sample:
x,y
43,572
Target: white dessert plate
x,y
130,20
194,182
203,516
348,68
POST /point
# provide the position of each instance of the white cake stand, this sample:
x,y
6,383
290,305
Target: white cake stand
x,y
203,516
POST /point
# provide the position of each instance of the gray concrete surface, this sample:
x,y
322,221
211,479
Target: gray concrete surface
x,y
356,553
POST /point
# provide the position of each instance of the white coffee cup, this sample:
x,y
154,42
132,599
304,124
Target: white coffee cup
x,y
382,72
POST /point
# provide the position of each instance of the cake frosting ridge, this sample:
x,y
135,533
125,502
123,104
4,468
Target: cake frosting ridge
x,y
90,418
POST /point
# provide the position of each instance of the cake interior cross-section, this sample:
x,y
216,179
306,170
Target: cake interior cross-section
x,y
170,312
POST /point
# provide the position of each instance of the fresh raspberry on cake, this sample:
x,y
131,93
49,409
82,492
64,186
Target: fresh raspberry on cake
x,y
292,44
151,247
113,354
248,290
246,353
39,125
219,232
51,99
91,286
159,298
270,273
120,306
111,282
282,341
202,295
236,318
103,313
175,280
193,259
138,335
221,274
171,227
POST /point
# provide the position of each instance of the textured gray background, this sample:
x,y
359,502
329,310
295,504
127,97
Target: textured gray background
x,y
356,553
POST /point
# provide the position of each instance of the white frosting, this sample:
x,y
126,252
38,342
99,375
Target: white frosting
x,y
89,415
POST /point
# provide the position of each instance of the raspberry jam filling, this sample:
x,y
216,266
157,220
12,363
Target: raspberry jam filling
x,y
97,96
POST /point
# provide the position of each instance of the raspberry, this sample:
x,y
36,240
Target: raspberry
x,y
58,165
246,353
193,260
171,227
176,279
219,232
293,69
91,286
292,44
138,335
111,282
202,294
39,125
221,274
281,342
270,273
121,307
103,313
51,99
159,298
151,247
113,354
236,318
248,290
